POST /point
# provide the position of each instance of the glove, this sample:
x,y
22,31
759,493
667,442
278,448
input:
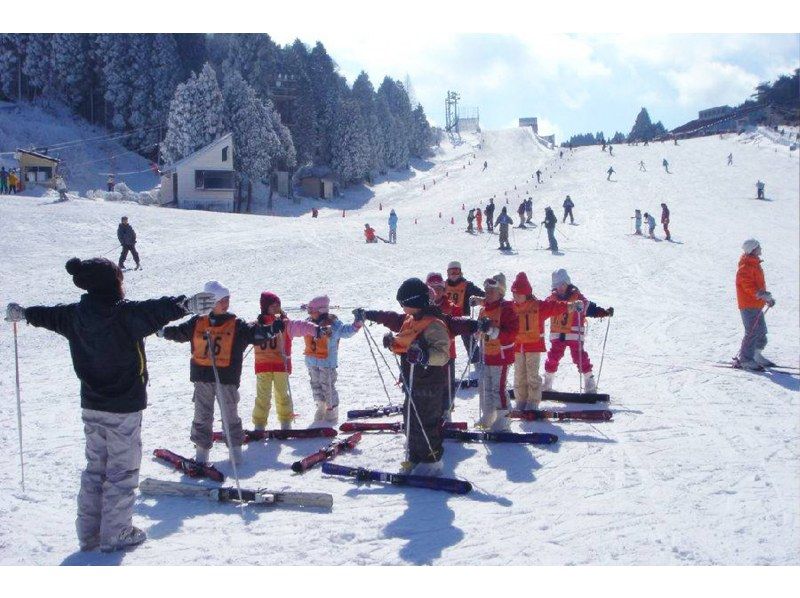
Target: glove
x,y
359,314
765,296
277,327
475,300
15,312
610,312
576,306
160,333
484,324
388,339
417,354
323,331
200,303
493,333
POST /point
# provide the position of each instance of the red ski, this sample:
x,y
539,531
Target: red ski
x,y
189,466
532,415
327,453
253,435
396,427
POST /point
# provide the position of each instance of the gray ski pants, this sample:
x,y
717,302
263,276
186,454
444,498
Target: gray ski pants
x,y
755,333
203,424
492,387
113,456
323,385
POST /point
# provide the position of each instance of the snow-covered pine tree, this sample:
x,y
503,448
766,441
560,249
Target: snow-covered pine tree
x,y
12,54
350,157
397,101
166,74
139,115
364,95
304,121
113,49
256,58
196,115
38,63
73,77
327,87
422,137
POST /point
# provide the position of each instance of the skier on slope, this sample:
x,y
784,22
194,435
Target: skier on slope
x,y
106,339
422,342
529,344
521,213
497,353
610,171
393,226
322,359
127,238
273,362
479,219
759,190
665,164
369,234
504,221
470,220
641,166
751,297
730,159
569,332
61,187
459,290
549,223
568,205
665,220
651,225
489,213
230,337
529,211
538,176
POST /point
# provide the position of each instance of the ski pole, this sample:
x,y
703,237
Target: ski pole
x,y
110,250
562,234
19,408
211,346
411,404
377,366
603,353
753,328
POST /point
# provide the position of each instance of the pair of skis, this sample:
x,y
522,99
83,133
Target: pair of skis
x,y
455,431
396,427
534,415
398,479
302,433
570,397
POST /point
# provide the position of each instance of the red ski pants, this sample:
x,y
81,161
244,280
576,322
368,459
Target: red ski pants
x,y
556,352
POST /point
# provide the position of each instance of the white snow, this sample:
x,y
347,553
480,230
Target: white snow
x,y
699,466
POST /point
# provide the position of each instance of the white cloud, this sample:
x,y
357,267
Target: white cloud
x,y
547,127
712,84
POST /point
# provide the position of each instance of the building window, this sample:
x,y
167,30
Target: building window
x,y
213,179
38,174
225,154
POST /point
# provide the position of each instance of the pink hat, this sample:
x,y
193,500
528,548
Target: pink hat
x,y
434,279
319,304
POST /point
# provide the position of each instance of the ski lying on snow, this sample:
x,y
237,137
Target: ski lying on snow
x,y
398,479
598,415
531,438
231,495
327,453
253,435
189,466
391,426
375,412
734,364
575,397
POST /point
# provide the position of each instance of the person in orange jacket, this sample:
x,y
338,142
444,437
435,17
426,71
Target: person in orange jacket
x,y
479,219
529,344
369,234
751,297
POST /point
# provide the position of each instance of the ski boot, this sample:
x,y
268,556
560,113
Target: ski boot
x,y
761,360
548,381
589,383
128,537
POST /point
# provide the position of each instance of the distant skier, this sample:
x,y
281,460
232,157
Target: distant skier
x,y
610,171
504,221
538,176
549,223
637,221
604,145
3,180
759,190
393,226
369,234
489,213
110,183
314,212
651,224
61,187
529,211
665,164
521,213
479,219
106,340
641,166
730,159
13,182
610,150
470,220
569,332
568,205
485,165
127,238
751,297
665,220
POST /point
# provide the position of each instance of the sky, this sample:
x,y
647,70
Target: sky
x,y
573,83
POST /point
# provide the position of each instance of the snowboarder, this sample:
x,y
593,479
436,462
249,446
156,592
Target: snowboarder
x,y
549,223
61,187
641,166
651,225
538,176
322,358
569,331
110,183
504,220
497,352
470,220
610,171
489,213
273,362
730,159
127,238
759,190
637,221
665,220
230,336
529,344
665,164
369,234
529,211
393,226
422,343
479,219
751,297
521,212
460,290
568,205
106,339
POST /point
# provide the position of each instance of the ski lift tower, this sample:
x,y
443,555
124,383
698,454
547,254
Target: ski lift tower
x,y
451,112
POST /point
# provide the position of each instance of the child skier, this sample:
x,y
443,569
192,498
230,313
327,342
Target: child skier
x,y
479,219
393,226
460,290
369,234
228,336
273,362
651,225
322,359
568,205
549,223
521,213
568,332
504,221
637,220
470,219
106,340
529,345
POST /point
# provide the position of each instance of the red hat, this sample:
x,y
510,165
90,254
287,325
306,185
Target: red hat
x,y
267,299
521,285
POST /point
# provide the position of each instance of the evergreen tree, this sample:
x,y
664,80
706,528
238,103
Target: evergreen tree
x,y
256,57
114,52
350,158
37,64
303,124
326,88
12,55
421,138
73,74
364,96
192,53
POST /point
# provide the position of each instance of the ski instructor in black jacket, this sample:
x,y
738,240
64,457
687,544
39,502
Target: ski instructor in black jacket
x,y
127,238
106,341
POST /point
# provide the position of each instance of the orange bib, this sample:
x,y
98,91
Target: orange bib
x,y
222,338
409,331
456,294
492,346
528,313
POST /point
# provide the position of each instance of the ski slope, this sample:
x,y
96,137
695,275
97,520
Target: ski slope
x,y
699,466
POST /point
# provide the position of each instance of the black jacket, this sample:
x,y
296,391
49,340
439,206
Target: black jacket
x,y
470,291
126,234
106,341
245,335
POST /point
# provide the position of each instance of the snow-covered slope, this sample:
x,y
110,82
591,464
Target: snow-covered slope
x,y
699,465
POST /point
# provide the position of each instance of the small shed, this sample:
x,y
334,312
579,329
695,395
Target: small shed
x,y
202,180
317,182
37,169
